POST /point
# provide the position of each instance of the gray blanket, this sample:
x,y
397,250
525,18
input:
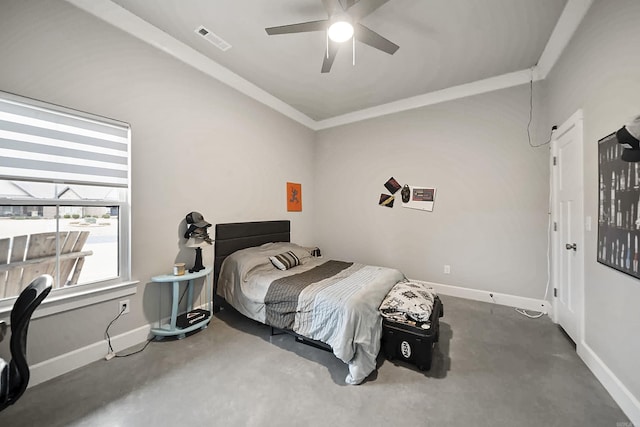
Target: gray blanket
x,y
281,300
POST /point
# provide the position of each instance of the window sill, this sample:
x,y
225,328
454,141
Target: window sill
x,y
54,304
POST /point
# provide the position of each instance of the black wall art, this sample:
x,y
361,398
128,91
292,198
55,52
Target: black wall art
x,y
618,212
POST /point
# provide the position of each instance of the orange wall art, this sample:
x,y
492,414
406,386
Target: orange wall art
x,y
294,197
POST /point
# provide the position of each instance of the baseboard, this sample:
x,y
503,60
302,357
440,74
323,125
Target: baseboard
x,y
537,305
51,368
629,404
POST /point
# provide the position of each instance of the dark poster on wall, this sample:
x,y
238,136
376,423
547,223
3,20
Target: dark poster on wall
x,y
618,215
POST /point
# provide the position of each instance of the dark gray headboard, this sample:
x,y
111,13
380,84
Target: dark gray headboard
x,y
234,236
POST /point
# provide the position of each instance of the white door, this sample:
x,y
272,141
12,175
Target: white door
x,y
568,229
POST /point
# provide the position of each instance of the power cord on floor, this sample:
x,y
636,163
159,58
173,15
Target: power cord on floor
x,y
530,316
137,351
112,353
521,310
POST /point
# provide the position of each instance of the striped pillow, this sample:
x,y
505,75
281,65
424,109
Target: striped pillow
x,y
285,260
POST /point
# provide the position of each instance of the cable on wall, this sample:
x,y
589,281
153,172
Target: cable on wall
x,y
531,116
112,353
546,289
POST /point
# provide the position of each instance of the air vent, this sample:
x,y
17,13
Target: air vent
x,y
213,39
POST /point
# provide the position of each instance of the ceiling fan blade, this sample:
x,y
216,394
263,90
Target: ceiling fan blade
x,y
373,39
331,6
364,8
346,4
328,59
298,28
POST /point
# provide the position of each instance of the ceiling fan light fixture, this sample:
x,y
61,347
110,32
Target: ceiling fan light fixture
x,y
340,31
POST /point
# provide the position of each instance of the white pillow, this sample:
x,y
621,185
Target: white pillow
x,y
285,261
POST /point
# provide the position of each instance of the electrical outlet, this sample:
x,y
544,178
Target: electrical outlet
x,y
123,306
447,269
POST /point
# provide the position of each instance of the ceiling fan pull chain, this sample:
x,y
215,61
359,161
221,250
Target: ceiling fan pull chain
x,y
353,38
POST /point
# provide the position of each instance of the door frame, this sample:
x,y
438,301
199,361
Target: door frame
x,y
576,120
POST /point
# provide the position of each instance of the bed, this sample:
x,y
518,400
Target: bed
x,y
326,301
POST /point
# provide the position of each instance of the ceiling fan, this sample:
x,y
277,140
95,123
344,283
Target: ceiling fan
x,y
343,24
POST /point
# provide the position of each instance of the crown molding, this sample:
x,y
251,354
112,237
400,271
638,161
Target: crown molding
x,y
455,92
121,18
571,17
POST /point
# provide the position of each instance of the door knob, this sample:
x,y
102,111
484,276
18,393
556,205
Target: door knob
x,y
571,246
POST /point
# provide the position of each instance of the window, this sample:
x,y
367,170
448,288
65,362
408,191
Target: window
x,y
64,198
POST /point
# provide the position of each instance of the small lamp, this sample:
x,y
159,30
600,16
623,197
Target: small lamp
x,y
197,244
197,237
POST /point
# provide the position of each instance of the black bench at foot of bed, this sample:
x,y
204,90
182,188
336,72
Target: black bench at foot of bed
x,y
410,343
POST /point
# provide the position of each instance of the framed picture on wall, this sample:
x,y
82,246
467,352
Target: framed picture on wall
x,y
294,197
421,198
618,204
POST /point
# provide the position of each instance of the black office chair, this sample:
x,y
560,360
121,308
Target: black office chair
x,y
14,376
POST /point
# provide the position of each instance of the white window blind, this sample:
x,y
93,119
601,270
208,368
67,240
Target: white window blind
x,y
38,143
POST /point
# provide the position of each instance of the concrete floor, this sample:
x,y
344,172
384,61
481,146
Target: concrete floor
x,y
492,367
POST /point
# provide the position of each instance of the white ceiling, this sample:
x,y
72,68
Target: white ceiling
x,y
445,46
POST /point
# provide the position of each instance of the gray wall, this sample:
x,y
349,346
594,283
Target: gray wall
x,y
600,73
197,145
490,216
